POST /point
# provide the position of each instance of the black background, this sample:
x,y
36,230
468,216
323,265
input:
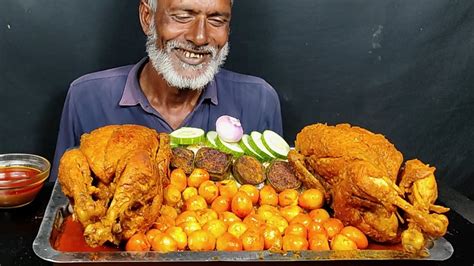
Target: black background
x,y
400,68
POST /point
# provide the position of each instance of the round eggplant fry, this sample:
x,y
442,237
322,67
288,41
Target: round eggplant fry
x,y
183,158
215,162
281,176
248,170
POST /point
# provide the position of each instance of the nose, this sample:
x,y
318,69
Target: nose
x,y
198,34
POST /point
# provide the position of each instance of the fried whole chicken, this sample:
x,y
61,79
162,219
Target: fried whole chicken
x,y
115,181
362,176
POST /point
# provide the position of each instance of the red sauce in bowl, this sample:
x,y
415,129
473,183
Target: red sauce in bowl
x,y
18,175
17,172
17,186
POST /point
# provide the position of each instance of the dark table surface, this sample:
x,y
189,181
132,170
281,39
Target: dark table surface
x,y
18,229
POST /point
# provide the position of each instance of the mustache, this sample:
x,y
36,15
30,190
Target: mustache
x,y
207,49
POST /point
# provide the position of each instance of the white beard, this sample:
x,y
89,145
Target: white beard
x,y
161,59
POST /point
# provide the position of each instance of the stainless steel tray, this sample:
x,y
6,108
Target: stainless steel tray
x,y
56,211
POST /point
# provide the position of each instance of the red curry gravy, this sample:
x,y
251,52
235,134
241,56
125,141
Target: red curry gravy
x,y
71,239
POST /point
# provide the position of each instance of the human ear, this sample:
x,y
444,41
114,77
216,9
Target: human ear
x,y
146,15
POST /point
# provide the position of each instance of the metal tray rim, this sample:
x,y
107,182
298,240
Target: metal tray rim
x,y
442,249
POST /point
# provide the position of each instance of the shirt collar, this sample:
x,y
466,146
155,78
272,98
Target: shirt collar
x,y
210,92
133,95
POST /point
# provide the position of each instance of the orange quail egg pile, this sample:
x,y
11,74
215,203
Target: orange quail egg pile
x,y
202,215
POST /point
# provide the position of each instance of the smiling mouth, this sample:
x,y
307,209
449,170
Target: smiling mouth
x,y
190,54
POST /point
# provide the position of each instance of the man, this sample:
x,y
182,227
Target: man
x,y
179,84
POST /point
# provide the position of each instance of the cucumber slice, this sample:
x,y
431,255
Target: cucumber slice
x,y
275,144
245,145
211,138
173,145
232,148
187,136
256,143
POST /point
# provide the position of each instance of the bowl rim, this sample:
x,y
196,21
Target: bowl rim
x,y
24,183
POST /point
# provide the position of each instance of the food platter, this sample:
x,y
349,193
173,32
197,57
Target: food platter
x,y
57,211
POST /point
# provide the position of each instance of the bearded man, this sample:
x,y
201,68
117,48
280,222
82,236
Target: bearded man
x,y
180,83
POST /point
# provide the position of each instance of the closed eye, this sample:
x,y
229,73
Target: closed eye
x,y
218,21
182,18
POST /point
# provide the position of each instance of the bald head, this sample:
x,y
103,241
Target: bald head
x,y
154,4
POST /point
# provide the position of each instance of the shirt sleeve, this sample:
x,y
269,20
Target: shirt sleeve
x,y
276,124
67,136
272,111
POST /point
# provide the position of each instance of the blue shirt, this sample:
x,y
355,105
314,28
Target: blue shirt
x,y
114,96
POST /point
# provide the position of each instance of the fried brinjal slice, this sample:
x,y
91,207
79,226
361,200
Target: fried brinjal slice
x,y
215,162
183,158
281,176
248,170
